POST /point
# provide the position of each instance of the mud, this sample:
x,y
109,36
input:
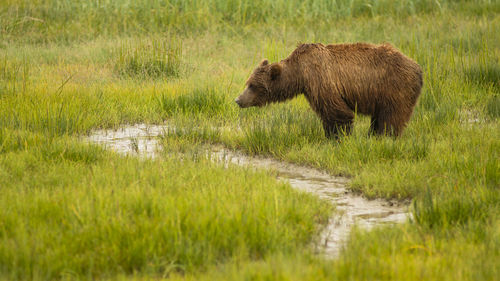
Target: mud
x,y
351,209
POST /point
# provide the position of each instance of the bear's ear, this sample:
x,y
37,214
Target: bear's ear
x,y
275,70
264,62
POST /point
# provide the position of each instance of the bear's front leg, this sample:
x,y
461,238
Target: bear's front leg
x,y
334,129
336,115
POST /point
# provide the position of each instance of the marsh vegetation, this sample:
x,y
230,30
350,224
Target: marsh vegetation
x,y
73,210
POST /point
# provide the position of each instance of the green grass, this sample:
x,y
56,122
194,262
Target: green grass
x,y
69,210
63,20
400,253
158,58
72,209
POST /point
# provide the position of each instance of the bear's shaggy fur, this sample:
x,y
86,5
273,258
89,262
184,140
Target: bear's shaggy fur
x,y
339,80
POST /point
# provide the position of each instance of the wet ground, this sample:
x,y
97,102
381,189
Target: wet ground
x,y
142,140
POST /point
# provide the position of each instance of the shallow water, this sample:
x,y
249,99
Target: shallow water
x,y
142,140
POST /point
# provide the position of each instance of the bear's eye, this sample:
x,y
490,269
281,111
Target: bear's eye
x,y
251,86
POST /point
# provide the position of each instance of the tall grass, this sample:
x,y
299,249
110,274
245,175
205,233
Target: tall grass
x,y
62,216
155,58
207,102
69,20
400,253
14,76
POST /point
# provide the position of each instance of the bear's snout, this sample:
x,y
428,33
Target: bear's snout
x,y
246,99
243,100
238,101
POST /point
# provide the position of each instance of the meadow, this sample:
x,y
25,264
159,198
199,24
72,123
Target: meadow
x,y
73,210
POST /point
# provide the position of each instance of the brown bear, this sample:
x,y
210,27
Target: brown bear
x,y
339,80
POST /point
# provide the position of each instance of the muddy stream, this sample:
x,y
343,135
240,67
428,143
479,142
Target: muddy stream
x,y
351,209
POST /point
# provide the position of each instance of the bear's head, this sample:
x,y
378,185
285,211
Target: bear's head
x,y
260,87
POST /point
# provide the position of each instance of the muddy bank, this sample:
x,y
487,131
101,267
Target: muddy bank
x,y
142,140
